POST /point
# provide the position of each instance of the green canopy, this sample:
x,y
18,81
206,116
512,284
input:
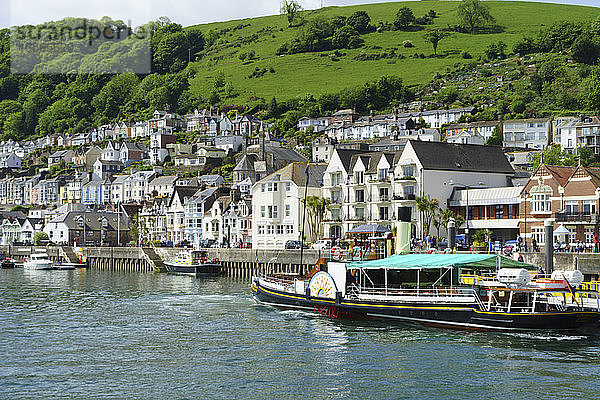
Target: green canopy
x,y
436,261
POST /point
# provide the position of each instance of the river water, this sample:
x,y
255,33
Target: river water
x,y
88,334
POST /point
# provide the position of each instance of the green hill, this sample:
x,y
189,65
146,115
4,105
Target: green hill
x,y
294,75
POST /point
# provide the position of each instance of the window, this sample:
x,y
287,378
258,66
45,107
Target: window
x,y
359,176
409,190
262,187
589,235
336,179
280,229
270,229
383,213
287,210
275,186
360,195
408,170
589,207
538,234
360,213
499,212
335,214
261,229
336,196
289,229
383,194
288,186
541,202
262,211
571,207
511,210
382,174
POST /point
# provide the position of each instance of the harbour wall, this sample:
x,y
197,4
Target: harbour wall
x,y
243,263
238,263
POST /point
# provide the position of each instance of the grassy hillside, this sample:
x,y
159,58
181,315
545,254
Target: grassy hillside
x,y
318,73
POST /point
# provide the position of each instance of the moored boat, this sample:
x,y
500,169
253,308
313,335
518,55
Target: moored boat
x,y
7,263
38,261
195,263
431,290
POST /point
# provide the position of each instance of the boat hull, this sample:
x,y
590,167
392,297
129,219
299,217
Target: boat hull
x,y
198,270
38,266
468,317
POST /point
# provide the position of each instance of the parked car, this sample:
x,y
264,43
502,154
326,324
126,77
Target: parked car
x,y
323,244
295,244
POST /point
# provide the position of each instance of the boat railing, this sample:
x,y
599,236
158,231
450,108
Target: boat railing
x,y
283,283
435,294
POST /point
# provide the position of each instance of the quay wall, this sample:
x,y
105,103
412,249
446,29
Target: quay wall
x,y
237,263
243,263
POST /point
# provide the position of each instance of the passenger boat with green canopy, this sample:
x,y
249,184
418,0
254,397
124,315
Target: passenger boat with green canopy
x,y
464,291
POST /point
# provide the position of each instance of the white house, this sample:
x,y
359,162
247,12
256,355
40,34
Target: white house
x,y
277,208
533,133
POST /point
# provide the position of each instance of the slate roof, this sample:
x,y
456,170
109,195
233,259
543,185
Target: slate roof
x,y
461,157
91,220
346,156
295,172
164,180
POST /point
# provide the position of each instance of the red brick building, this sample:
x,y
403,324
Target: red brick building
x,y
568,195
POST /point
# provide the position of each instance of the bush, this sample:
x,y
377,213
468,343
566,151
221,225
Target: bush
x,y
408,44
466,55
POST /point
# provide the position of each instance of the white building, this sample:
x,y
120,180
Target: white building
x,y
277,207
533,133
565,133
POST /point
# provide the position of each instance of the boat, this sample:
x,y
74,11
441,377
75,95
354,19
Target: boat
x,y
38,261
195,263
7,263
461,291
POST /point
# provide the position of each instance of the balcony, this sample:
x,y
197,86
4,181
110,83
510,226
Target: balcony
x,y
575,217
405,197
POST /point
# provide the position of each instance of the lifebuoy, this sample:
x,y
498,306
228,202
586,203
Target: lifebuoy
x,y
336,253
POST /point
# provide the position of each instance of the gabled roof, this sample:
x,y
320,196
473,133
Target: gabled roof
x,y
461,157
164,180
560,173
296,172
346,157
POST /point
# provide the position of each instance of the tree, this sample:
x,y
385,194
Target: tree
x,y
445,217
428,208
585,50
315,207
404,18
40,237
590,90
496,138
290,8
344,37
473,14
434,36
360,21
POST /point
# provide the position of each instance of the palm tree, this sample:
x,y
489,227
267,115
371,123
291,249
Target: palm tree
x,y
315,207
428,208
446,215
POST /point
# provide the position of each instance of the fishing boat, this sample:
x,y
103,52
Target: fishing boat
x,y
195,263
461,291
38,261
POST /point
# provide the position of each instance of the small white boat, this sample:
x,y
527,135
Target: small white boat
x,y
38,261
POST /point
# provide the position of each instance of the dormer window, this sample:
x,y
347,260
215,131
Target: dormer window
x,y
359,176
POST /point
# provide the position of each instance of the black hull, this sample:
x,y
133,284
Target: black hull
x,y
7,264
199,270
440,315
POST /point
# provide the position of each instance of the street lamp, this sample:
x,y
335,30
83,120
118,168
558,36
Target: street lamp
x,y
467,187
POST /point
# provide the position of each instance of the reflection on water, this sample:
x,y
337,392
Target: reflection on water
x,y
109,335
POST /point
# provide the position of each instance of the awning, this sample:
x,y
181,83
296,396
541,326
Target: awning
x,y
369,228
492,224
561,230
436,261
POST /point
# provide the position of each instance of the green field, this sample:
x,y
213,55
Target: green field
x,y
316,73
